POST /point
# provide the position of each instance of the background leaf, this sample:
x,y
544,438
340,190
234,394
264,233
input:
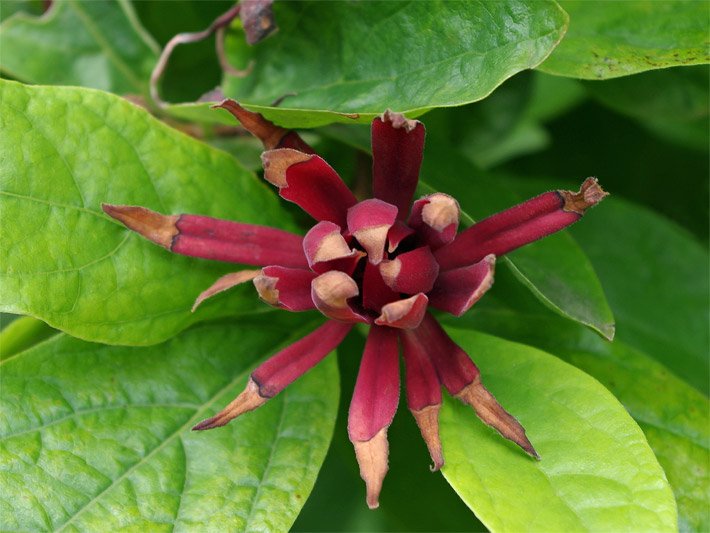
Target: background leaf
x,y
91,44
20,334
618,38
337,57
596,473
97,437
65,262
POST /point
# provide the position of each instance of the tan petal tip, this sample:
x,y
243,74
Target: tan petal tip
x,y
427,419
161,229
224,283
266,287
248,400
372,457
277,162
440,212
589,194
398,120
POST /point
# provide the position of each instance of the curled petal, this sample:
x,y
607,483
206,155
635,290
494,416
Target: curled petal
x,y
330,293
272,376
373,407
212,238
224,283
270,135
404,314
397,149
462,379
411,272
326,249
398,232
436,219
309,182
423,394
369,222
375,292
519,225
287,288
455,291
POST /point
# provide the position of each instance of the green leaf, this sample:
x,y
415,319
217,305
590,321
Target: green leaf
x,y
618,38
67,150
656,278
674,416
672,103
337,57
555,269
91,44
597,472
10,7
98,438
21,334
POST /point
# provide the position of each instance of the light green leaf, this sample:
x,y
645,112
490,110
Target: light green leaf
x,y
22,333
67,150
656,278
617,38
597,472
91,44
335,58
555,269
672,103
98,438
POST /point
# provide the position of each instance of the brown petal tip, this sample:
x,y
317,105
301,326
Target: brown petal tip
x,y
266,287
492,413
161,229
277,162
589,194
224,283
372,457
398,120
428,422
248,400
266,131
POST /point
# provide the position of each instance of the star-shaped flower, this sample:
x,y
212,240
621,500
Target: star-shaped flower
x,y
377,262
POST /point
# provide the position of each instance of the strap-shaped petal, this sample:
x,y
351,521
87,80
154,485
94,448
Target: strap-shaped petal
x,y
375,292
370,222
423,394
272,376
309,182
435,219
462,379
224,283
373,407
397,150
411,272
212,238
455,291
520,225
287,288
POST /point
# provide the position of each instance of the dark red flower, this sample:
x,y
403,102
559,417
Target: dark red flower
x,y
377,262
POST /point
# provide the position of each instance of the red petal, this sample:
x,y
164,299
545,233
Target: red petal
x,y
411,272
211,238
519,225
369,222
397,149
397,234
225,283
404,314
326,249
373,407
375,293
330,293
281,370
436,219
309,182
270,135
288,288
423,394
455,291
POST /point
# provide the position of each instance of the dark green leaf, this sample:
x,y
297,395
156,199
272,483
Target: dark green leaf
x,y
672,103
555,269
617,38
67,150
336,58
91,44
98,438
10,7
21,334
597,471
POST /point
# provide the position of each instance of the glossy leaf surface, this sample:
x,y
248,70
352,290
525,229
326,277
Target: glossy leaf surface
x,y
64,261
98,438
334,59
597,471
618,38
91,44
